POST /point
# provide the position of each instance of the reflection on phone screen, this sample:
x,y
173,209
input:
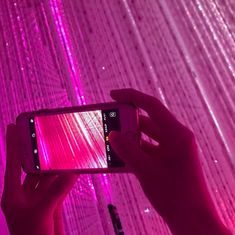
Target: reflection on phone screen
x,y
76,140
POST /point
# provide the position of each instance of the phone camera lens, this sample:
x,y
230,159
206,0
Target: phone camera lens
x,y
112,114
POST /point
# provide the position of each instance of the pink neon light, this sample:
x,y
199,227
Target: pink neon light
x,y
71,141
181,51
67,49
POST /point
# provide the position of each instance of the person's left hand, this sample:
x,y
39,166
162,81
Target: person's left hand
x,y
34,207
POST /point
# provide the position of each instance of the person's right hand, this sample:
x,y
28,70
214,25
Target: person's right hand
x,y
169,173
34,207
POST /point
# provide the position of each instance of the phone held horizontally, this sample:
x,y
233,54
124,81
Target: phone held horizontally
x,y
75,138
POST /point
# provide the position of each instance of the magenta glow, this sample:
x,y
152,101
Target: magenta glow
x,y
71,141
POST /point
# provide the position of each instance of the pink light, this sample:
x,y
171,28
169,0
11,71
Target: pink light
x,y
53,53
70,141
67,48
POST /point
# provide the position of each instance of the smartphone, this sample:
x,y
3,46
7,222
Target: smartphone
x,y
75,138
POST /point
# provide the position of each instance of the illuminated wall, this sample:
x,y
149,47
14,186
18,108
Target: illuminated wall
x,y
61,53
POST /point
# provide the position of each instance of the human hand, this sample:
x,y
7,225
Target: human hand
x,y
33,208
170,172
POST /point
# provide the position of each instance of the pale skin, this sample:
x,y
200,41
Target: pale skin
x,y
169,173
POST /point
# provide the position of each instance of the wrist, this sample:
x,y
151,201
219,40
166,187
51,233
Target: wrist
x,y
32,226
197,222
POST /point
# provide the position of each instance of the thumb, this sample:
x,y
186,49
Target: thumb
x,y
59,189
126,146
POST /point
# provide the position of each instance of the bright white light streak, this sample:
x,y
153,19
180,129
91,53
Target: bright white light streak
x,y
98,132
69,123
95,126
84,129
222,50
200,86
61,118
225,27
143,50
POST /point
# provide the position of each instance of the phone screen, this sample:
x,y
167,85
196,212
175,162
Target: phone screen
x,y
77,140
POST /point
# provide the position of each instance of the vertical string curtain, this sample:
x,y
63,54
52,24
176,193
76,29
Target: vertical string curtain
x,y
58,53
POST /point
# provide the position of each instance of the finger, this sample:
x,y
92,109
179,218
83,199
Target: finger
x,y
59,189
12,182
35,183
149,127
156,110
30,182
149,148
45,182
127,148
58,220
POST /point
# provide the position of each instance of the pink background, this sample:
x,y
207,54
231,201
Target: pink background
x,y
60,53
71,141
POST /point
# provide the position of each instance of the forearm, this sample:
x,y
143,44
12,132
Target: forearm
x,y
201,222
